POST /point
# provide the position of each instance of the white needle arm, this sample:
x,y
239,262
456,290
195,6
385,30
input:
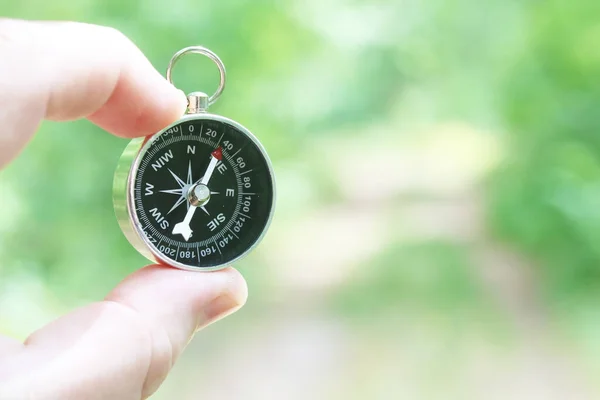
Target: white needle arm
x,y
183,228
209,171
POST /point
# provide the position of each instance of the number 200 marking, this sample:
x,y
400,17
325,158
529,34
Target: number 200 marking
x,y
167,250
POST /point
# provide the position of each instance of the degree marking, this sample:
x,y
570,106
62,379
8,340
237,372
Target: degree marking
x,y
231,230
223,134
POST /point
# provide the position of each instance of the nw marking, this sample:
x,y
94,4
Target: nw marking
x,y
162,160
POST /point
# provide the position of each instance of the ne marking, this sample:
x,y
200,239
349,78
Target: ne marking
x,y
230,230
245,172
221,167
244,215
216,244
234,154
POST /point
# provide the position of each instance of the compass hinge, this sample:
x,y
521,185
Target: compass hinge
x,y
197,102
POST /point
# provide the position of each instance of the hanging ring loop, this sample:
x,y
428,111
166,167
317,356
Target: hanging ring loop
x,y
205,52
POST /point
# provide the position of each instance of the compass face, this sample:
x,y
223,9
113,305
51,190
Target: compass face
x,y
202,193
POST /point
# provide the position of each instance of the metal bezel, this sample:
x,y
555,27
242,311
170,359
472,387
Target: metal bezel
x,y
123,193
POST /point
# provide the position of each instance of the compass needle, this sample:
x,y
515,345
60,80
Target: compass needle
x,y
183,228
214,166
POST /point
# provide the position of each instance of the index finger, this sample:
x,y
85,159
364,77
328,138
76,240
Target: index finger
x,y
65,70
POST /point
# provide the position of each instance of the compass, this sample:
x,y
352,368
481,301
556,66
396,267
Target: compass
x,y
200,193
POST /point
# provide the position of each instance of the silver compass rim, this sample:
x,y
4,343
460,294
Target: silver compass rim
x,y
135,224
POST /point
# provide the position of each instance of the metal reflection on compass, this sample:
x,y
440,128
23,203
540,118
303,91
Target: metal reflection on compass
x,y
203,192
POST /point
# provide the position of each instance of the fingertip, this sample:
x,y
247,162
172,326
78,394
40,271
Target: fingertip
x,y
178,303
132,111
158,289
237,286
65,71
231,300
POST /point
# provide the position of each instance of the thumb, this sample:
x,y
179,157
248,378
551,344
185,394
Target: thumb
x,y
123,347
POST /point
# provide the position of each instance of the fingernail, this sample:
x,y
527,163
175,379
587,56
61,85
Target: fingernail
x,y
219,308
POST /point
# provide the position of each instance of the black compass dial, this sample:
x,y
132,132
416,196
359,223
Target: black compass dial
x,y
203,193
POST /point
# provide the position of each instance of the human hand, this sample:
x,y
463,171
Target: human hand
x,y
124,346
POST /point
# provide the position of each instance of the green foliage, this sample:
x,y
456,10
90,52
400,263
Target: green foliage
x,y
432,279
545,197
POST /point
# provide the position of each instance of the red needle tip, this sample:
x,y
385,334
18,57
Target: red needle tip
x,y
218,153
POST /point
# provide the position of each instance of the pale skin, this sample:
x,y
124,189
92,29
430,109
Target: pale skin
x,y
124,346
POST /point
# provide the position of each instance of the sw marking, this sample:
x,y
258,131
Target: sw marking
x,y
159,218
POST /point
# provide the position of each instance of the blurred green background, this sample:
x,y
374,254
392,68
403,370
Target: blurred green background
x,y
437,234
